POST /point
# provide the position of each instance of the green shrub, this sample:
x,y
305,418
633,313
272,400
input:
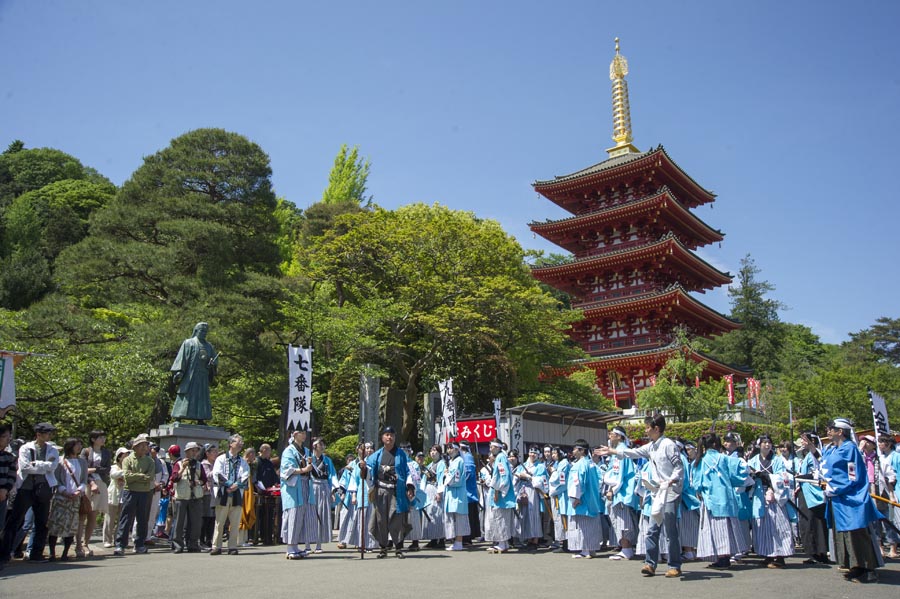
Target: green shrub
x,y
338,450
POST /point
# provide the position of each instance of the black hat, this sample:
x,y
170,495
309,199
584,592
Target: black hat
x,y
44,427
420,454
388,429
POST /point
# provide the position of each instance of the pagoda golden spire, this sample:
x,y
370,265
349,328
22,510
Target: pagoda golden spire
x,y
618,68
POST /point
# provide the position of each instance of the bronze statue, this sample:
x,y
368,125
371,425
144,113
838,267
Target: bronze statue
x,y
194,370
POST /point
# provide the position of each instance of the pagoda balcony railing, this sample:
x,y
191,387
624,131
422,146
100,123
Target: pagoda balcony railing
x,y
627,343
612,247
621,293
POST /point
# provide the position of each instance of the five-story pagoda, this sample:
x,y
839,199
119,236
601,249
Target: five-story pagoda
x,y
632,236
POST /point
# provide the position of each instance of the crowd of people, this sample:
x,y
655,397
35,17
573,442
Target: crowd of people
x,y
668,499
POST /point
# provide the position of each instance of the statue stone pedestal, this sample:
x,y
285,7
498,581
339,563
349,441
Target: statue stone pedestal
x,y
176,433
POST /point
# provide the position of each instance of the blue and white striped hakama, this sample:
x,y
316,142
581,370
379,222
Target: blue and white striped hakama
x,y
414,518
689,527
432,516
293,521
456,525
720,537
310,531
486,519
559,531
346,519
500,527
321,498
585,533
772,534
624,523
351,535
531,515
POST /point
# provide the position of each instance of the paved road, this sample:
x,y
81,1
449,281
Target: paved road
x,y
263,572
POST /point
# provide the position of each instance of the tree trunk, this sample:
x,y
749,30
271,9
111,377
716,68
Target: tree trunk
x,y
409,408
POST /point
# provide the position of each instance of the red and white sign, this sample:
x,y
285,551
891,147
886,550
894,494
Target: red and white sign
x,y
476,431
729,379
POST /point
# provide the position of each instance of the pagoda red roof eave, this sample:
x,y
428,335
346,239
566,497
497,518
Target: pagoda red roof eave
x,y
687,258
663,353
567,182
677,296
673,208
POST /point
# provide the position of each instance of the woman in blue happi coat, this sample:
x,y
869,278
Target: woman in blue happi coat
x,y
295,468
344,498
356,501
689,509
452,494
559,500
620,485
416,470
432,509
530,478
583,488
772,533
503,500
850,510
715,476
810,501
323,481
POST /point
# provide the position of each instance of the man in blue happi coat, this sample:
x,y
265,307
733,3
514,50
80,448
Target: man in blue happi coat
x,y
471,492
850,509
387,471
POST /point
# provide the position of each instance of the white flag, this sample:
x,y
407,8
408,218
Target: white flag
x,y
497,414
7,383
448,411
879,414
300,393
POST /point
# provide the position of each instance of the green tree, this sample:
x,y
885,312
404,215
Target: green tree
x,y
538,258
190,237
881,339
676,391
39,224
23,170
578,390
757,344
24,277
15,146
422,289
197,215
347,181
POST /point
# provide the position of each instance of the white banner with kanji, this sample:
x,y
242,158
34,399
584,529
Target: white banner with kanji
x,y
300,393
879,414
516,434
497,414
7,383
449,429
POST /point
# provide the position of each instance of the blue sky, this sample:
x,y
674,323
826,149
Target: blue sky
x,y
789,111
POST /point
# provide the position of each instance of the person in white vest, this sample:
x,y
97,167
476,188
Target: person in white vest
x,y
188,480
231,474
35,482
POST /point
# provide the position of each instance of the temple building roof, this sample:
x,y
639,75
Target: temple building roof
x,y
673,295
641,358
663,204
667,250
656,162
